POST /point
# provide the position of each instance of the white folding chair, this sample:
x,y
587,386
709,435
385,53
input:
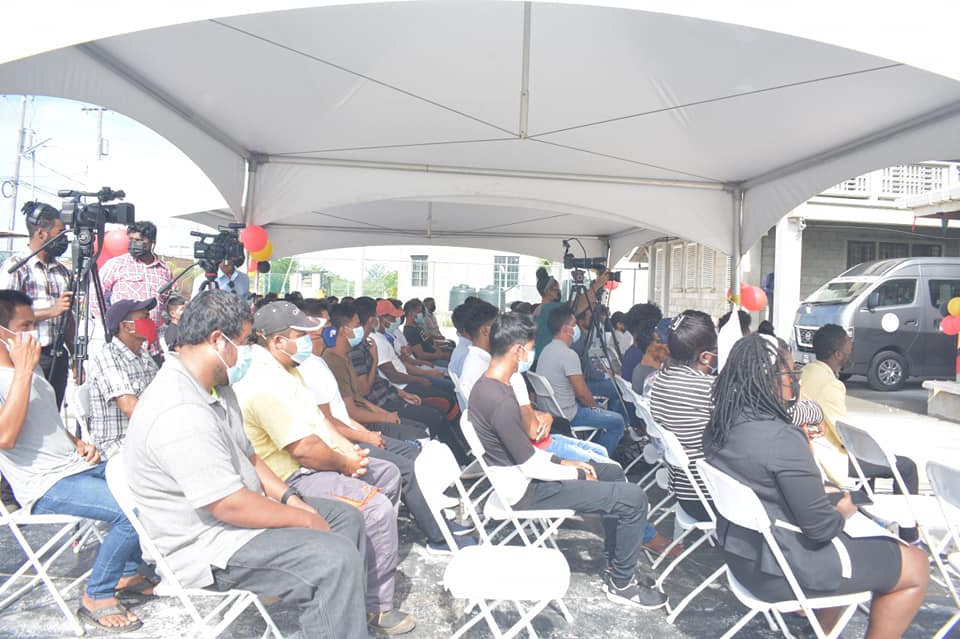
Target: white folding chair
x,y
547,400
456,387
81,408
653,451
631,396
677,457
739,505
71,529
232,602
905,510
486,575
535,527
659,475
946,486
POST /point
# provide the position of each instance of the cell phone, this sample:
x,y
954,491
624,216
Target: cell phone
x,y
859,498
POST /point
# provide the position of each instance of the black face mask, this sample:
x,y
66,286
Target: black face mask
x,y
59,246
138,248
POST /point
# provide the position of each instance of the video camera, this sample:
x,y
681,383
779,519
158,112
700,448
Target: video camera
x,y
76,213
213,248
598,264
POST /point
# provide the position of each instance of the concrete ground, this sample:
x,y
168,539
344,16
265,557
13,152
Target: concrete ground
x,y
912,397
420,591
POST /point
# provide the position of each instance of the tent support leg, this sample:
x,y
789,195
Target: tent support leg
x,y
737,256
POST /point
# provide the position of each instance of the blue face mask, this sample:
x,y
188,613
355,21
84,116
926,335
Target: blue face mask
x,y
357,336
524,365
304,349
244,358
419,319
395,324
576,333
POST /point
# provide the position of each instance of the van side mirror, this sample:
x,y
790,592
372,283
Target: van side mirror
x,y
873,300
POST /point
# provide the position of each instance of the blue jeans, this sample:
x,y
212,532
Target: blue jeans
x,y
611,425
86,495
606,388
577,449
442,383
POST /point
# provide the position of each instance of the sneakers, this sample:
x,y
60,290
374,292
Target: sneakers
x,y
459,529
442,548
391,622
633,594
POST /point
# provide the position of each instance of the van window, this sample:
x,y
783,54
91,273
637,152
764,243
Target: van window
x,y
943,291
897,292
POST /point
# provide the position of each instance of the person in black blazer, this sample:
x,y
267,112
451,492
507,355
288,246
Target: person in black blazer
x,y
750,437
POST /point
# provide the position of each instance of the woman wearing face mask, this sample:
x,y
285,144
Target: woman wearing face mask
x,y
680,398
751,438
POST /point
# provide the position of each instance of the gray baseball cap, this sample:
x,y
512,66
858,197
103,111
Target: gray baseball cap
x,y
279,316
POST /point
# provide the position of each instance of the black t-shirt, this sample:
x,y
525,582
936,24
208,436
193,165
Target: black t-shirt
x,y
416,337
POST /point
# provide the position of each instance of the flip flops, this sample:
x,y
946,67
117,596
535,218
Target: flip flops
x,y
137,592
93,617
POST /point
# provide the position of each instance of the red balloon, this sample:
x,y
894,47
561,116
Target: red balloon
x,y
950,325
252,266
104,256
253,238
116,242
611,285
752,298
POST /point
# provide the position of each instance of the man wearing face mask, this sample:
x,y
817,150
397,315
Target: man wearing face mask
x,y
120,372
138,274
298,443
47,281
560,365
221,517
421,345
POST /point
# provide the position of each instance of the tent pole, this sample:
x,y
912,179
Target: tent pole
x,y
251,191
737,210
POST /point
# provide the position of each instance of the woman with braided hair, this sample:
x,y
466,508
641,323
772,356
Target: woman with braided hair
x,y
750,437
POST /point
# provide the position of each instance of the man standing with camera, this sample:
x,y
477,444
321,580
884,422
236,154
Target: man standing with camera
x,y
228,279
47,281
139,274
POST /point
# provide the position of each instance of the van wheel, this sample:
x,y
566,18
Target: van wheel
x,y
888,371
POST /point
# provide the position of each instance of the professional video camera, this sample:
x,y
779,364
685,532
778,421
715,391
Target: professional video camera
x,y
213,248
77,213
598,264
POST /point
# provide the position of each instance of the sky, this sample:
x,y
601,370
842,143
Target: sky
x,y
156,176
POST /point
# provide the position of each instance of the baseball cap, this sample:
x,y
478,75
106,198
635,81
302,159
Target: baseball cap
x,y
386,307
279,316
119,310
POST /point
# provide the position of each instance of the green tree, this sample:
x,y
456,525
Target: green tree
x,y
378,282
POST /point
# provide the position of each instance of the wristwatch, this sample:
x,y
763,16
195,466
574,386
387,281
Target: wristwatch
x,y
290,492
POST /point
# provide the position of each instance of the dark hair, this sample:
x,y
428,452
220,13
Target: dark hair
x,y
147,230
828,339
347,299
293,296
509,329
479,315
640,321
428,299
342,314
558,318
521,307
263,301
748,387
211,310
693,334
176,300
366,308
543,280
744,318
766,328
411,305
332,299
618,317
43,215
397,304
473,299
458,315
314,307
9,301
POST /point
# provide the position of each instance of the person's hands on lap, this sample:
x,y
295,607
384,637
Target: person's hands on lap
x,y
845,506
409,398
89,452
584,466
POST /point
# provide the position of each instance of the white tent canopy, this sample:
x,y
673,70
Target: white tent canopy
x,y
510,125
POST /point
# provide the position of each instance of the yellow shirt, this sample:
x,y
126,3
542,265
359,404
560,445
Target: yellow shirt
x,y
278,410
819,383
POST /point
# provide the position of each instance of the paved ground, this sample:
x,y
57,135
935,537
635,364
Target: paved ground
x,y
912,397
420,592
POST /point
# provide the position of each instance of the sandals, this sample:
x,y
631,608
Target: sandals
x,y
137,593
93,617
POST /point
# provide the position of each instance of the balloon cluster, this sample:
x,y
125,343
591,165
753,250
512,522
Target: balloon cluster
x,y
951,317
751,298
255,240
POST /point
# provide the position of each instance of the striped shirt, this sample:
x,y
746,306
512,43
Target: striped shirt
x,y
681,402
43,282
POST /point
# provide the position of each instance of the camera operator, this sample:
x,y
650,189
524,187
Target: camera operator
x,y
228,279
139,274
47,281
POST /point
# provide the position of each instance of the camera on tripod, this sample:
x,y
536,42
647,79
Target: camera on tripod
x,y
77,213
598,264
213,248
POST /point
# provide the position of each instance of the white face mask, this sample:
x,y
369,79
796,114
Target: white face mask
x,y
35,332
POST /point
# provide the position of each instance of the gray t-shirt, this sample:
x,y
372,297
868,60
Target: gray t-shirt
x,y
44,453
556,363
185,449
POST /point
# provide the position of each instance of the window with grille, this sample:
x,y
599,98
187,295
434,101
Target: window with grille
x,y
707,265
506,271
676,267
926,250
912,179
418,270
728,273
893,250
860,252
690,267
659,273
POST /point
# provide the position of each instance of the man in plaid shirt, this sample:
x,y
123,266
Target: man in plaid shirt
x,y
120,372
138,274
48,282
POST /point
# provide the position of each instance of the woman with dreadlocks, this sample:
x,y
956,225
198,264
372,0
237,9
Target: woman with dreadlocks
x,y
751,438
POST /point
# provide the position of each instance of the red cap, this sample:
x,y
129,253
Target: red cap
x,y
386,307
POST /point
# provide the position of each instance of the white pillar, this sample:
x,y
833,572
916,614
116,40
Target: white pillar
x,y
789,251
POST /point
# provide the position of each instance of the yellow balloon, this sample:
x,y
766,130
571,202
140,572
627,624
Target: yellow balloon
x,y
953,306
263,254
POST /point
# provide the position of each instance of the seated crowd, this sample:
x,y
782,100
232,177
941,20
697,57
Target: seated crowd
x,y
274,447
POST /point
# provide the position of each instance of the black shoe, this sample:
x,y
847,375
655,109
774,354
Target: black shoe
x,y
633,594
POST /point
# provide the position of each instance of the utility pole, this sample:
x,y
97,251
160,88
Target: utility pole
x,y
21,132
98,151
